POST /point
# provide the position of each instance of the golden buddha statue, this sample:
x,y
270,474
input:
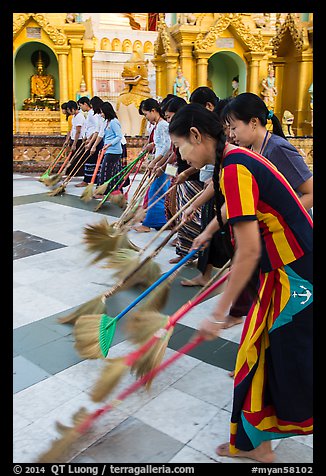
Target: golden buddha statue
x,y
41,85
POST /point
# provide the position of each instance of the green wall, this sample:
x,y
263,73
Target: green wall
x,y
24,69
222,68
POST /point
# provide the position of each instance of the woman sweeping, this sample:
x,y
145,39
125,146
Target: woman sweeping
x,y
112,138
271,228
155,217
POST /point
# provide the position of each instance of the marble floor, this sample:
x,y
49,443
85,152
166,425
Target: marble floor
x,y
186,412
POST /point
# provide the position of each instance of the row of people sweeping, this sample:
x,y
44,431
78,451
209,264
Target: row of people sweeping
x,y
95,126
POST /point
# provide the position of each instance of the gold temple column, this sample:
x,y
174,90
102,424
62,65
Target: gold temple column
x,y
253,82
202,68
279,82
171,71
76,58
186,61
88,53
62,52
303,112
160,87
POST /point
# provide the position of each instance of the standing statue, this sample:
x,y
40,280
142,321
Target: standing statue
x,y
311,92
287,121
82,90
269,92
181,86
135,77
235,86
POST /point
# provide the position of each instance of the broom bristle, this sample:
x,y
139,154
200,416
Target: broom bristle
x,y
102,238
100,190
141,325
87,194
119,200
94,306
52,180
86,333
109,378
151,359
57,191
60,448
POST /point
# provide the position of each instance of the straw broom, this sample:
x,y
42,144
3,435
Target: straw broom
x,y
102,238
122,178
46,174
102,188
150,353
87,194
94,334
54,179
61,189
59,448
97,305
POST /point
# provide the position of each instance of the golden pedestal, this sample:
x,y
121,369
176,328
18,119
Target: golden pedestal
x,y
38,122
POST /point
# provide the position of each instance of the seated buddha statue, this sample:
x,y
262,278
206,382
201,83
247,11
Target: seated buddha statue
x,y
42,90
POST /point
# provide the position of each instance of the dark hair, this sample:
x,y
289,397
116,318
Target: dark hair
x,y
84,100
64,108
96,103
165,101
108,111
203,95
208,124
245,106
72,105
221,105
151,103
174,104
64,105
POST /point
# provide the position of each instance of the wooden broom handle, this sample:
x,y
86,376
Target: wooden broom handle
x,y
164,227
97,166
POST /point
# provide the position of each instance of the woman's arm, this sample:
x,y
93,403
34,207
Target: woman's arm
x,y
307,191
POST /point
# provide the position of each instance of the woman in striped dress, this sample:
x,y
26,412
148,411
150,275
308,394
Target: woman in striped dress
x,y
271,228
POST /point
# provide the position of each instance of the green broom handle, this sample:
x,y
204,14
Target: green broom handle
x,y
126,170
51,166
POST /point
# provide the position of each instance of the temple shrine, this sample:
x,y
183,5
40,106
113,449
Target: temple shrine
x,y
270,54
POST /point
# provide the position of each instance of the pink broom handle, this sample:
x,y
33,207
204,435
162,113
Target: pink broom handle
x,y
133,356
135,174
82,427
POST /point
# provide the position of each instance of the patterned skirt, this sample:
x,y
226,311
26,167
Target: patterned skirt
x,y
111,165
273,394
90,165
190,230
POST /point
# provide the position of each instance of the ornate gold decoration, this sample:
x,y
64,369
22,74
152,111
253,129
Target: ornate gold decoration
x,y
56,35
163,35
135,76
297,36
206,40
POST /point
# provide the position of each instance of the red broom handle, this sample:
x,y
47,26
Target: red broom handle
x,y
65,162
133,356
98,163
138,383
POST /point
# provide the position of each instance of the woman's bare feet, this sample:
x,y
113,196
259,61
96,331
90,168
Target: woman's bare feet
x,y
232,373
263,453
231,321
142,229
199,280
175,260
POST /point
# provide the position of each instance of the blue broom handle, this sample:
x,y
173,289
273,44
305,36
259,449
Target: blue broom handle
x,y
154,285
